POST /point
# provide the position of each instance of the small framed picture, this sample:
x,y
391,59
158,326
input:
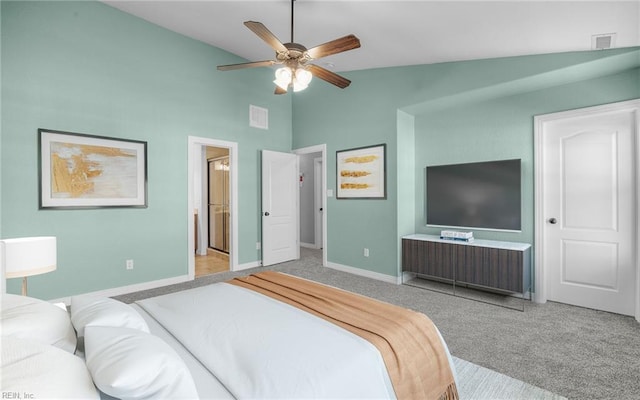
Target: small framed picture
x,y
361,173
87,171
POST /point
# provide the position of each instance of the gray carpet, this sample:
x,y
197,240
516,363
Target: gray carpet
x,y
574,352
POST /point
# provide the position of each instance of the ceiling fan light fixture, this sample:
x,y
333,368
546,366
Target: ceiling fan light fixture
x,y
298,86
283,77
298,78
296,72
301,79
303,76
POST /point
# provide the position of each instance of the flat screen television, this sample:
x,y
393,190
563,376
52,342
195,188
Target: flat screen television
x,y
481,195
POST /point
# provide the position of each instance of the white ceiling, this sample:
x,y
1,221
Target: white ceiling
x,y
396,33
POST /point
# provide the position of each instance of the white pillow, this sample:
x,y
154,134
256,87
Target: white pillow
x,y
41,371
91,311
28,318
131,364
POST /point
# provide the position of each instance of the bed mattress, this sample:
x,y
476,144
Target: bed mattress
x,y
257,347
241,344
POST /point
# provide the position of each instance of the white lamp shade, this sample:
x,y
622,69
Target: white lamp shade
x,y
29,256
283,77
303,76
301,79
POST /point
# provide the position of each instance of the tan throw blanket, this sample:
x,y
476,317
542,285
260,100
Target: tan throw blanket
x,y
408,341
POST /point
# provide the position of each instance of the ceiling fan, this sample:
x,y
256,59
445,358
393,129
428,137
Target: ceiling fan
x,y
296,70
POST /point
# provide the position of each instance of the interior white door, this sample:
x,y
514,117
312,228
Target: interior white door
x,y
280,207
589,193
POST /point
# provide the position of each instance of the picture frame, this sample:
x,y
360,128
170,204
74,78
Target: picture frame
x,y
361,173
88,171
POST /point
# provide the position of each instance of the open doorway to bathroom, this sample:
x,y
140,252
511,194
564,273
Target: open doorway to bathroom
x,y
213,254
198,203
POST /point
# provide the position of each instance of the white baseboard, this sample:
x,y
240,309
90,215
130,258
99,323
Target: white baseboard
x,y
367,274
309,245
146,285
128,289
202,252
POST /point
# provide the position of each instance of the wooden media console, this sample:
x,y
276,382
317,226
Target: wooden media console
x,y
503,267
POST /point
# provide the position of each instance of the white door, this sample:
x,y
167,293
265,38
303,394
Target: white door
x,y
280,207
589,189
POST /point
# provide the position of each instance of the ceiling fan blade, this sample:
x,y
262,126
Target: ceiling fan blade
x,y
266,35
345,43
279,90
230,67
329,76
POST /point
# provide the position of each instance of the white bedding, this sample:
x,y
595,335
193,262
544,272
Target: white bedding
x,y
236,343
36,370
208,386
258,347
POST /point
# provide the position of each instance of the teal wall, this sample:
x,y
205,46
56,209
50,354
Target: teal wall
x,y
86,67
89,68
462,112
503,128
363,114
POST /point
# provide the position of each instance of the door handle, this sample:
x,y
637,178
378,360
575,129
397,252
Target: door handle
x,y
266,214
553,221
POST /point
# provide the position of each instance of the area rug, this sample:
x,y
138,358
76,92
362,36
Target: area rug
x,y
479,383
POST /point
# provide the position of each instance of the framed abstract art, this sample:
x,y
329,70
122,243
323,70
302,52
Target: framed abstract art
x,y
88,171
361,173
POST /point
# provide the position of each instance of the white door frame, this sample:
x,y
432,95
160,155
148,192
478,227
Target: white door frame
x,y
196,146
318,203
540,295
320,148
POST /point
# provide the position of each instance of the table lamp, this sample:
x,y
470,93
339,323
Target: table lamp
x,y
23,257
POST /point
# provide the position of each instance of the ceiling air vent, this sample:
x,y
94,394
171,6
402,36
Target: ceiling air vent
x,y
603,41
258,117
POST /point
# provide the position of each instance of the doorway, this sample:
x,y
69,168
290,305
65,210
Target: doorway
x,y
313,200
586,208
202,216
216,198
310,179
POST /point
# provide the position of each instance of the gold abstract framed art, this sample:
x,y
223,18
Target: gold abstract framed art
x,y
88,171
361,173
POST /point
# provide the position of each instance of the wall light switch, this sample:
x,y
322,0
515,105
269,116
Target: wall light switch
x,y
329,192
366,252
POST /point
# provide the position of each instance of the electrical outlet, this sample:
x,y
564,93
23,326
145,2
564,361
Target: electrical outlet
x,y
257,245
366,252
129,264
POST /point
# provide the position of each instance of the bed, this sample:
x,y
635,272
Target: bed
x,y
266,335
